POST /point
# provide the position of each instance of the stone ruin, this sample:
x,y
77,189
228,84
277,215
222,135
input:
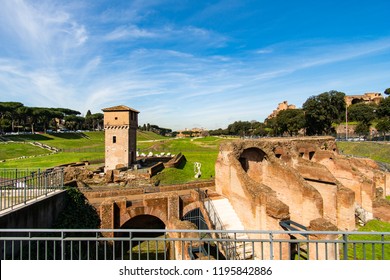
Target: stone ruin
x,y
304,180
79,175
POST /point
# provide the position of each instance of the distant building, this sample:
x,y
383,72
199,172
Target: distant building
x,y
281,106
370,97
195,132
120,125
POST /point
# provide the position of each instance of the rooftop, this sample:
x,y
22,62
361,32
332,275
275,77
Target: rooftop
x,y
119,108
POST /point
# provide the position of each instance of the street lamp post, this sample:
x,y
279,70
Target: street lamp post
x,y
346,122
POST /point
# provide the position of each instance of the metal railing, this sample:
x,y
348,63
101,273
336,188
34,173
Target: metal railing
x,y
229,247
20,190
110,244
16,173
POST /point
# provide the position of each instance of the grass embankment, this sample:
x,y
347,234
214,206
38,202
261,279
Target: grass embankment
x,y
359,251
378,151
202,150
14,150
76,147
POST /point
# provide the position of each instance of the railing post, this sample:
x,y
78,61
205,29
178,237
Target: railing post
x,y
39,181
25,189
45,182
62,178
345,246
271,246
62,246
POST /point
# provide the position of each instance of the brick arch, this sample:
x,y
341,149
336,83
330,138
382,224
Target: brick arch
x,y
200,205
188,208
144,222
253,161
152,211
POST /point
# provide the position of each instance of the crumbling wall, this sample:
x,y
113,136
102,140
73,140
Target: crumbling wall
x,y
262,189
305,174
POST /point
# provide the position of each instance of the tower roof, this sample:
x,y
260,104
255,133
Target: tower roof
x,y
119,108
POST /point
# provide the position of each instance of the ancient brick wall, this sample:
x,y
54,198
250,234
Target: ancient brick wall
x,y
302,179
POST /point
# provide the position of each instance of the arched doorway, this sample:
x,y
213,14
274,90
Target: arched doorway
x,y
144,222
253,161
196,217
143,245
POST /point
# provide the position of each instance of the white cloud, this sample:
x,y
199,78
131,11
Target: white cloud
x,y
57,59
40,29
129,32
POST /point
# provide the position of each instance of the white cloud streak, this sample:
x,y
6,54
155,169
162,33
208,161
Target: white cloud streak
x,y
64,62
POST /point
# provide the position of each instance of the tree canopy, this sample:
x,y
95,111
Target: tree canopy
x,y
384,108
362,112
290,121
15,117
323,110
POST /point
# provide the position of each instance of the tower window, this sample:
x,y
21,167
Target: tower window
x,y
114,139
116,118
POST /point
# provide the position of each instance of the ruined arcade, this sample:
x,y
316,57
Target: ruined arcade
x,y
301,179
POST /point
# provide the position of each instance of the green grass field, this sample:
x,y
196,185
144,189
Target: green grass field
x,y
203,150
379,151
14,150
360,252
76,147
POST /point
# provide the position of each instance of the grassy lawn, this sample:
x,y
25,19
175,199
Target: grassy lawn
x,y
376,151
76,147
89,146
148,135
16,150
83,140
369,252
148,250
51,160
202,150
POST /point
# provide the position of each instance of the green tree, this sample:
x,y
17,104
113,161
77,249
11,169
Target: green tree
x,y
241,128
67,111
8,111
97,121
259,129
362,112
219,131
387,91
362,129
290,121
23,114
73,122
88,120
383,126
384,108
322,110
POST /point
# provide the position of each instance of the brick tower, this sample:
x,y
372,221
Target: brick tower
x,y
120,125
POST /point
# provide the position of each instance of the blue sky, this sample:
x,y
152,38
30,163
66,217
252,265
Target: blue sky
x,y
188,63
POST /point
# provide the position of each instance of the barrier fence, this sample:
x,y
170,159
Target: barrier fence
x,y
137,244
20,190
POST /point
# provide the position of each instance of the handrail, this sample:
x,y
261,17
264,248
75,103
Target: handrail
x,y
104,244
18,191
218,225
